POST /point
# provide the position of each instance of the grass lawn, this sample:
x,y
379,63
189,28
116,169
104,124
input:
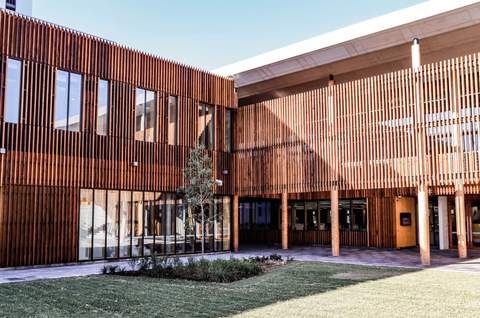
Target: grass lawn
x,y
295,290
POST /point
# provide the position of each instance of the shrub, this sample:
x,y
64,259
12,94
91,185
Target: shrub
x,y
220,270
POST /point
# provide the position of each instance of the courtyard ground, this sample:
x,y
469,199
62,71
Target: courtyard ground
x,y
300,289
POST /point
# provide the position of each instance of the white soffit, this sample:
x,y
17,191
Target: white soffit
x,y
423,20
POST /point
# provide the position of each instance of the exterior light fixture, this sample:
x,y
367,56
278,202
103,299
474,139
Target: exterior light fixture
x,y
135,163
3,151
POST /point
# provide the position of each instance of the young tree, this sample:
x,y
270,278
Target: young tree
x,y
199,184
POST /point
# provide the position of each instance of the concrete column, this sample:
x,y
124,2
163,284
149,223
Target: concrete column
x,y
423,225
335,222
235,223
444,231
461,224
284,220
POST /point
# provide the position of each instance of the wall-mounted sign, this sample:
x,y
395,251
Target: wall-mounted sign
x,y
405,218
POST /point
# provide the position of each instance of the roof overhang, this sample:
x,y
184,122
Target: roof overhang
x,y
388,31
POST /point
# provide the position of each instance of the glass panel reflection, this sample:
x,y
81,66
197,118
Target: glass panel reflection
x,y
75,102
112,223
170,223
137,219
61,100
125,223
12,91
99,218
148,233
102,108
85,225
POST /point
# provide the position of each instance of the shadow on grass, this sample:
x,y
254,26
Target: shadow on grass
x,y
103,296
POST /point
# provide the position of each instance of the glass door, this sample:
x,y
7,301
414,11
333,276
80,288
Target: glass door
x,y
476,223
434,228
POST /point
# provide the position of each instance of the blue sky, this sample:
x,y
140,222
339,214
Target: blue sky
x,y
210,33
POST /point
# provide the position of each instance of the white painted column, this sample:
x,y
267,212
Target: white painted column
x,y
423,225
443,223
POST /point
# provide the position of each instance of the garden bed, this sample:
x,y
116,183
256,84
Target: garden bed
x,y
219,270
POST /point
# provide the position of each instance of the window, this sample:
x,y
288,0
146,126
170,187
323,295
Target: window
x,y
180,225
172,128
170,210
12,102
145,115
102,108
99,224
68,101
206,126
116,224
112,223
228,130
149,223
125,223
85,225
11,5
137,220
159,224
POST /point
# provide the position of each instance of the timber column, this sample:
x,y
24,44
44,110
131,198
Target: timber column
x,y
420,134
235,223
461,224
284,220
335,222
423,225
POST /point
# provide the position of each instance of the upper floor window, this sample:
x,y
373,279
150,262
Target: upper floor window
x,y
145,115
12,92
206,126
11,5
172,127
68,101
102,108
228,130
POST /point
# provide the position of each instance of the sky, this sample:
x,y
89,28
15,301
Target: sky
x,y
210,33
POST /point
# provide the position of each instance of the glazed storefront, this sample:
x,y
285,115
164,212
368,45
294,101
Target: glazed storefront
x,y
122,224
309,222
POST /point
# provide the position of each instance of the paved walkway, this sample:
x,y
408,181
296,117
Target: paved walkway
x,y
444,260
410,258
75,270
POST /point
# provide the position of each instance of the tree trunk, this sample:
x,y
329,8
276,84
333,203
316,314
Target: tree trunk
x,y
203,229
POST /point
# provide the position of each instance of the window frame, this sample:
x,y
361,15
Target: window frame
x,y
107,114
155,108
20,91
167,122
67,123
207,133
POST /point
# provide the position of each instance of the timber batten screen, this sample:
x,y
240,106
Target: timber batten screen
x,y
283,144
43,169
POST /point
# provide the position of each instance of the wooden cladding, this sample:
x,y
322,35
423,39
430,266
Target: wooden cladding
x,y
38,225
364,134
48,44
42,169
39,155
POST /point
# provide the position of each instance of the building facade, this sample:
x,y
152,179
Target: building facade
x,y
370,140
94,138
365,136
